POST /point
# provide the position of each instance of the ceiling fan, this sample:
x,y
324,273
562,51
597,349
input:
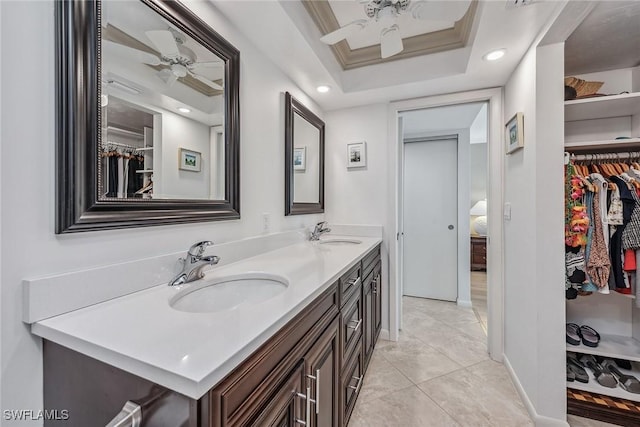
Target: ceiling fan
x,y
179,60
387,12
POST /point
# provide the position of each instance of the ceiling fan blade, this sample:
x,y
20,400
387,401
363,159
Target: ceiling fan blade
x,y
210,65
208,82
164,42
390,42
439,10
344,32
131,53
167,76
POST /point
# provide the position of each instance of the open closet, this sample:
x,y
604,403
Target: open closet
x,y
126,151
602,241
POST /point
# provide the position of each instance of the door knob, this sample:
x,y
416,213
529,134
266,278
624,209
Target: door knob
x,y
450,227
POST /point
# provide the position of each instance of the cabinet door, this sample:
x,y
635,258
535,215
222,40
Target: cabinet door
x,y
322,368
287,408
377,302
368,299
350,387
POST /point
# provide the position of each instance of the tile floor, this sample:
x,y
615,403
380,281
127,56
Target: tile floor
x,y
439,374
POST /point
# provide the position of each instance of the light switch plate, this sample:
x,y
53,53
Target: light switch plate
x,y
507,211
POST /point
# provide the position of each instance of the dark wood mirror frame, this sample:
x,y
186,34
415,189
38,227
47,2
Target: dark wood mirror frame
x,y
78,123
293,106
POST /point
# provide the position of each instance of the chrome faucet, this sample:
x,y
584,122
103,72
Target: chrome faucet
x,y
319,230
193,264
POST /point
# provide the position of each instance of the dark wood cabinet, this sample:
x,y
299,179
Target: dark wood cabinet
x,y
377,301
478,253
351,323
286,408
322,374
368,299
351,383
308,373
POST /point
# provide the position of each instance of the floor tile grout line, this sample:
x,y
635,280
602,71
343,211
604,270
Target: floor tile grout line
x,y
439,406
441,352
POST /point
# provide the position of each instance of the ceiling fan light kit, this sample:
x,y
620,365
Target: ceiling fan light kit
x,y
387,13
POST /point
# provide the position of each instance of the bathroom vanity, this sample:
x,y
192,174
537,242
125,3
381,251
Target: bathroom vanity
x,y
297,358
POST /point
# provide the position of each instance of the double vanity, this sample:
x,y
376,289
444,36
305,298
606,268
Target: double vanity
x,y
280,338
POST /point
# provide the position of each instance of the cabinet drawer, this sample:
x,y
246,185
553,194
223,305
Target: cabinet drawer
x,y
351,384
478,258
349,282
369,261
351,324
479,248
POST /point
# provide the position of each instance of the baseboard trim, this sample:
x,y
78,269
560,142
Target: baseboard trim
x,y
538,420
465,304
384,334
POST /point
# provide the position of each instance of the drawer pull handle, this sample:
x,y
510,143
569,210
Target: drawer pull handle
x,y
308,401
317,380
353,282
357,387
355,328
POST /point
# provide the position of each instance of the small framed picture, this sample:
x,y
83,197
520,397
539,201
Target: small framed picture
x,y
357,155
190,160
299,158
515,133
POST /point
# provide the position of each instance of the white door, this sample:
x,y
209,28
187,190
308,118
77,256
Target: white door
x,y
430,212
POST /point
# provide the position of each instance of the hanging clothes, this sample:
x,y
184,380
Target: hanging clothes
x,y
621,281
598,263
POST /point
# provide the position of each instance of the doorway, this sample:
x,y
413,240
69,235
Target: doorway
x,y
430,210
495,226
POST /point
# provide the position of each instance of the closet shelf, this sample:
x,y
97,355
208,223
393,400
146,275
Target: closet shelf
x,y
607,145
603,107
593,387
145,171
616,346
151,148
125,132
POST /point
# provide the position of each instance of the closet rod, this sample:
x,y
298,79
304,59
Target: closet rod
x,y
606,156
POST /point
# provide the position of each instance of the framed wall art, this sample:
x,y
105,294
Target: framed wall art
x,y
515,133
190,160
357,155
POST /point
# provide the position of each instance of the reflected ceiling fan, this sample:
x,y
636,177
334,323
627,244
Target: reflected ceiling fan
x,y
387,12
180,61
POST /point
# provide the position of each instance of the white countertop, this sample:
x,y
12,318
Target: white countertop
x,y
191,352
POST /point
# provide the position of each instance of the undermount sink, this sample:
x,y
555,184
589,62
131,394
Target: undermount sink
x,y
340,242
228,292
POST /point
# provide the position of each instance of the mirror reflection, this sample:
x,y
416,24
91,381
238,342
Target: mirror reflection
x,y
162,109
306,161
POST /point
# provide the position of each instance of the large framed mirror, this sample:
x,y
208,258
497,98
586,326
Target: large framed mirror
x,y
147,116
304,159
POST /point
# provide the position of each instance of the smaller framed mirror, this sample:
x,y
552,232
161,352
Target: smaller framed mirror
x,y
304,159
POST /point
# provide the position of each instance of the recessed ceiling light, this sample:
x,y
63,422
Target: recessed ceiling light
x,y
184,110
494,55
323,88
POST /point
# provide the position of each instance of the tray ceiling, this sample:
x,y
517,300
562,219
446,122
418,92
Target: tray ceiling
x,y
363,48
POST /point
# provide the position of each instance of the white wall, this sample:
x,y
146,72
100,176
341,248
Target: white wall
x,y
180,132
29,246
359,195
533,238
